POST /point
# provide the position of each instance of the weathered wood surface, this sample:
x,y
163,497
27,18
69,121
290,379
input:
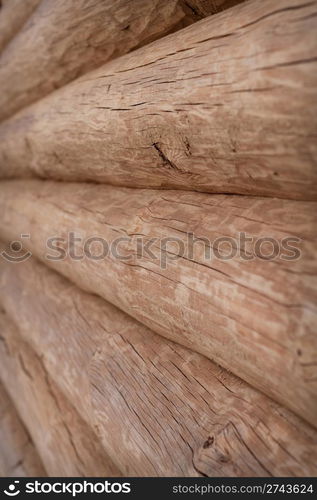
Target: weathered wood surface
x,y
13,15
226,105
255,317
67,446
63,40
158,408
18,456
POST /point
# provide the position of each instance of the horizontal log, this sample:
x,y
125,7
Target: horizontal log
x,y
227,105
157,407
256,317
64,40
13,15
67,446
18,456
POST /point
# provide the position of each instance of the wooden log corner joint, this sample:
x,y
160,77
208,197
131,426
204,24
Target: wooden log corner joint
x,y
158,238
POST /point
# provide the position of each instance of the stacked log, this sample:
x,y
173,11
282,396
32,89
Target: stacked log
x,y
13,15
18,455
186,112
64,40
219,307
68,447
141,392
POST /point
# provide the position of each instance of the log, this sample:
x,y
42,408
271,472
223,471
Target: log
x,y
13,15
158,408
64,40
67,446
18,456
253,315
230,108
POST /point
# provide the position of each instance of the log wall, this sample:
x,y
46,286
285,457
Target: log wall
x,y
18,455
157,408
158,238
67,446
65,39
13,15
255,317
225,105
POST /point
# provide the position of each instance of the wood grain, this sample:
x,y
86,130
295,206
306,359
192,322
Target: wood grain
x,y
227,105
158,408
18,456
13,15
255,317
64,40
67,446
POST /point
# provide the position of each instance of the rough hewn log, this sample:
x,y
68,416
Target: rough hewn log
x,y
13,15
226,105
63,40
157,407
18,456
67,446
255,317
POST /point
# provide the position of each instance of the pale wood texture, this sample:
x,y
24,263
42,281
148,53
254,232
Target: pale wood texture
x,y
13,15
65,39
226,105
67,446
256,317
18,456
158,408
